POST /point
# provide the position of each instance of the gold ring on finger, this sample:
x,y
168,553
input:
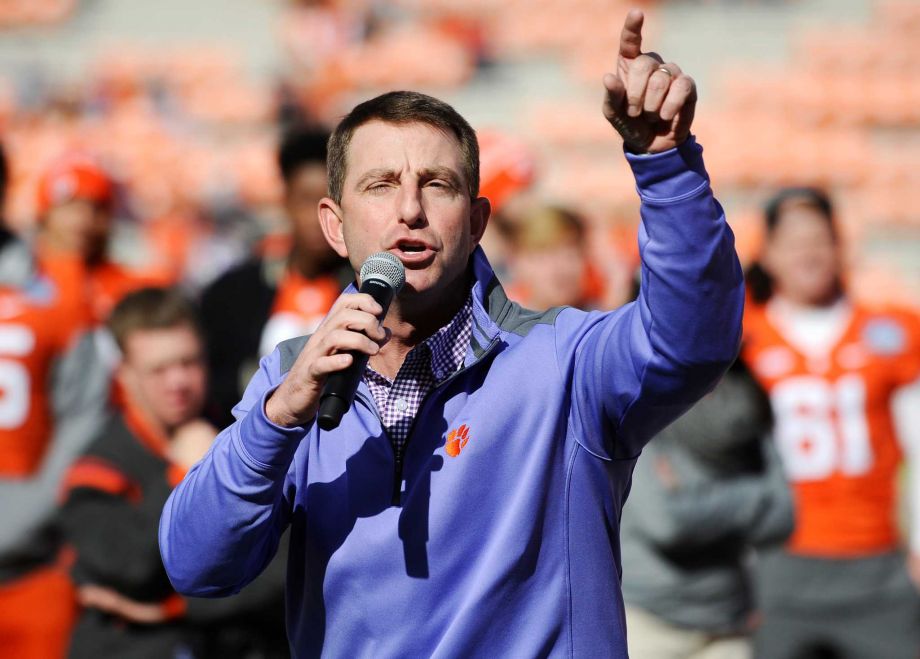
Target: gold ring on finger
x,y
665,69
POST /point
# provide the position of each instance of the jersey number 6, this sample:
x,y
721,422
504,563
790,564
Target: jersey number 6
x,y
15,341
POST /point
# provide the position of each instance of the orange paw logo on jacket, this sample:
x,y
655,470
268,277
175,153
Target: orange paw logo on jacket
x,y
456,440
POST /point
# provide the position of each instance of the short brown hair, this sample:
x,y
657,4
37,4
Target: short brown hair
x,y
401,108
544,227
152,309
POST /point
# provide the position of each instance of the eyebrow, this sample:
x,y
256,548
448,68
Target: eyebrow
x,y
379,173
426,174
442,172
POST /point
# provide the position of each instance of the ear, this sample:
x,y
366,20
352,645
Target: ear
x,y
122,376
331,222
480,212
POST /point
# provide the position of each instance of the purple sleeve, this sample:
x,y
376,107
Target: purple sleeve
x,y
221,525
635,370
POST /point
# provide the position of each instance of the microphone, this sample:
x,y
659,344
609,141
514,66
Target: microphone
x,y
382,275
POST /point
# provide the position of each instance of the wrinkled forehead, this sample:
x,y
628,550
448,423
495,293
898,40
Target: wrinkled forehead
x,y
802,221
152,347
402,146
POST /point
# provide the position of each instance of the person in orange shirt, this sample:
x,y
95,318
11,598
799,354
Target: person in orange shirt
x,y
251,308
52,391
74,202
832,368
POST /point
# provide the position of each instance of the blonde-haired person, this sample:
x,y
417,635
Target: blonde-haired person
x,y
549,261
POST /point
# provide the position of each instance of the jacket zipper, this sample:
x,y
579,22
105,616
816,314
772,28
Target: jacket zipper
x,y
400,451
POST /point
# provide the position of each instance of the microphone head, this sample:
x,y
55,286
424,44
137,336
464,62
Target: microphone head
x,y
384,267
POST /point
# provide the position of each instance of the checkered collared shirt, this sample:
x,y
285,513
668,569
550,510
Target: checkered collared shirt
x,y
427,364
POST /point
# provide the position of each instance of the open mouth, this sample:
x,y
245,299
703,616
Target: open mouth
x,y
411,248
413,253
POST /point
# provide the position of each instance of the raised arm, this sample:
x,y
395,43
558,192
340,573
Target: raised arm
x,y
635,370
650,102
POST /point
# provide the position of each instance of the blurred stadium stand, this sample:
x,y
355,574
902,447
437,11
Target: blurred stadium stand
x,y
182,101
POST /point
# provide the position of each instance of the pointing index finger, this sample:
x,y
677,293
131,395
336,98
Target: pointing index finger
x,y
631,36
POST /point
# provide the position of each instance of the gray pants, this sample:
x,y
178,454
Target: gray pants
x,y
815,608
651,637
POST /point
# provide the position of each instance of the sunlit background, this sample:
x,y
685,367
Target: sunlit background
x,y
184,101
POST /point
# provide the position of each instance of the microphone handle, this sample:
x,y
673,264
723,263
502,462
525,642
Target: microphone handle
x,y
339,390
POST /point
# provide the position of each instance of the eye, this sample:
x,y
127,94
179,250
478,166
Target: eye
x,y
378,188
440,185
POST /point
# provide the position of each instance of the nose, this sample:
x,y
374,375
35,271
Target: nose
x,y
175,379
410,210
181,377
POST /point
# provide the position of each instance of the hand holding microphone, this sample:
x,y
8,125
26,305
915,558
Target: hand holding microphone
x,y
326,374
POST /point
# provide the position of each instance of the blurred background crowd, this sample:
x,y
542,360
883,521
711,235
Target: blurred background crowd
x,y
164,160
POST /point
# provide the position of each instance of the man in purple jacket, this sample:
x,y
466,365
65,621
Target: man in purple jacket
x,y
469,502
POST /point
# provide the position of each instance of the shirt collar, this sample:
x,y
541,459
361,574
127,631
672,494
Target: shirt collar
x,y
448,346
445,350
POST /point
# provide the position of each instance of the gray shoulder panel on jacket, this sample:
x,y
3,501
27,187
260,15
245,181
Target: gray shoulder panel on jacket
x,y
511,316
290,349
508,315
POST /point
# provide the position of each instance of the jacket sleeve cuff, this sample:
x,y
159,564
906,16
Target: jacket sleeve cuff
x,y
670,175
268,446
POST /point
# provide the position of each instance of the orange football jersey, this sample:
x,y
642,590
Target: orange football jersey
x,y
101,286
37,325
110,282
300,306
834,427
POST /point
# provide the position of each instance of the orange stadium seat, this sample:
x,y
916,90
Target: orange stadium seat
x,y
879,285
450,6
590,62
601,182
569,123
905,13
8,101
556,25
311,35
747,225
17,13
254,161
418,56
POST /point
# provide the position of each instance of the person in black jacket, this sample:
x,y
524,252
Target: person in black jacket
x,y
268,299
113,495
